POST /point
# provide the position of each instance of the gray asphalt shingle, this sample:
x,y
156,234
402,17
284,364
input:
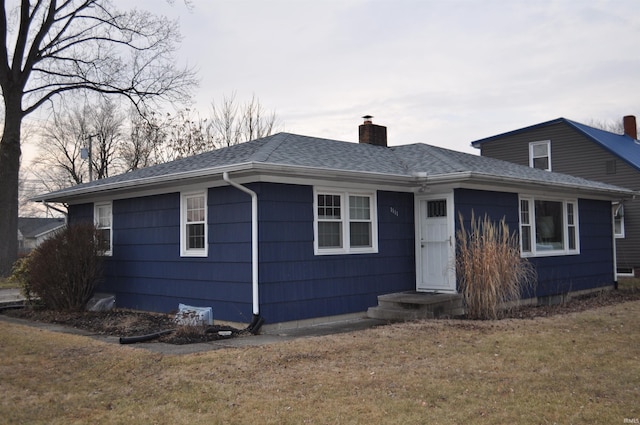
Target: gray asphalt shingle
x,y
285,149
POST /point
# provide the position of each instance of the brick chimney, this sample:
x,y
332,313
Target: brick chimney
x,y
630,128
371,133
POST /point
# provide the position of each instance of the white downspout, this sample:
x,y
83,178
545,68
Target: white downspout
x,y
254,241
615,250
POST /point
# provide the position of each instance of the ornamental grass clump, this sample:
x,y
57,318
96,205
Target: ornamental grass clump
x,y
491,273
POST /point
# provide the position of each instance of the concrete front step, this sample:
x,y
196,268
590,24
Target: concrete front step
x,y
412,305
11,296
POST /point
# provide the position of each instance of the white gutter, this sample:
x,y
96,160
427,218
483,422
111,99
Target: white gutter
x,y
254,241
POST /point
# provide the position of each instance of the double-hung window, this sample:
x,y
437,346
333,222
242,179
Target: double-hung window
x,y
193,225
540,155
345,222
102,217
548,227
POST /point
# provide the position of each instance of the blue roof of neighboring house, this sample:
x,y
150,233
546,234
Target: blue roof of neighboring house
x,y
621,145
299,156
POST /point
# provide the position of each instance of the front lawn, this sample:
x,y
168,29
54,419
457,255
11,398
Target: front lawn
x,y
574,368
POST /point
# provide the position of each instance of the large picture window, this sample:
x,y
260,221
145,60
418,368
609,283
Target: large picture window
x,y
193,228
102,217
548,227
345,222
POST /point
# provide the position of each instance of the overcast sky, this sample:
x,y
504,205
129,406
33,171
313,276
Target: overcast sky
x,y
434,71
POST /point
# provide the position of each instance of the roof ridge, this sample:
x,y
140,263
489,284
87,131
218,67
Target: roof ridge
x,y
270,145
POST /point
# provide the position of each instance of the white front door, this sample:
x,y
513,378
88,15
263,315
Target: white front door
x,y
435,245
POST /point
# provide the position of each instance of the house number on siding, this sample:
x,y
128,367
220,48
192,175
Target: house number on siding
x,y
393,211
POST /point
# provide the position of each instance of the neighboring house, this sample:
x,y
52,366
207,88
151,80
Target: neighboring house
x,y
565,146
289,228
33,230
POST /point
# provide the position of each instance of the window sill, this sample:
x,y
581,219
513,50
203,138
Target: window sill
x,y
548,254
197,254
329,251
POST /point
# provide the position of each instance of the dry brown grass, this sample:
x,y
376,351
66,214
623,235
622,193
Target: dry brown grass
x,y
576,368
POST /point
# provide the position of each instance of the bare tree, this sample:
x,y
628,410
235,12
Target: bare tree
x,y
187,135
157,138
60,147
231,123
145,145
225,123
105,124
611,126
49,48
82,139
256,121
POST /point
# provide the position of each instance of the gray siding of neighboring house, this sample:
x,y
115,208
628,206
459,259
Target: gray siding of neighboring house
x,y
573,153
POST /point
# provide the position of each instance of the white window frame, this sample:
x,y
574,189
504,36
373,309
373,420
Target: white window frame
x,y
568,206
97,207
185,251
345,221
618,215
532,157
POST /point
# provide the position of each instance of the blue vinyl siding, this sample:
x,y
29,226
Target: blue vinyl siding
x,y
146,271
592,268
494,204
295,284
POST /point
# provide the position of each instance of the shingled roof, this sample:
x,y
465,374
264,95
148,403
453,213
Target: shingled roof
x,y
32,227
295,155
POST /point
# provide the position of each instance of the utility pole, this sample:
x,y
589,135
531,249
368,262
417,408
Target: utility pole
x,y
86,153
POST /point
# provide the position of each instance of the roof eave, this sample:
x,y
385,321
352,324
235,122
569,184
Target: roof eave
x,y
176,179
139,184
612,193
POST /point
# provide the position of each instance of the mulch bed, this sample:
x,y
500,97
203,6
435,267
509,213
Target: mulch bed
x,y
126,323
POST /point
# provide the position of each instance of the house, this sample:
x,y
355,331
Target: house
x,y
33,230
566,146
292,229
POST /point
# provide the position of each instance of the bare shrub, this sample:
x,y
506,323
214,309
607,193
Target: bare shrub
x,y
490,271
64,271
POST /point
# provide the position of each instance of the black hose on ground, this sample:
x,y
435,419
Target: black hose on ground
x,y
143,338
255,325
